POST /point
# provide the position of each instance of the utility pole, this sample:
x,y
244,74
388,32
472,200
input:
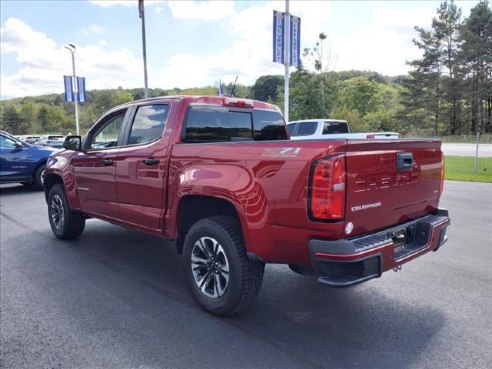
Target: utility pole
x,y
287,60
71,48
141,13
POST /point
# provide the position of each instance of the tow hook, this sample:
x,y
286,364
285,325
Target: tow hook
x,y
397,269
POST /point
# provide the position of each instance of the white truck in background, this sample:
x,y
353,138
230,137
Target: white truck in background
x,y
319,129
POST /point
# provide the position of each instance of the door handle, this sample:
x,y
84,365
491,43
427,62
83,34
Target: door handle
x,y
151,161
107,162
404,161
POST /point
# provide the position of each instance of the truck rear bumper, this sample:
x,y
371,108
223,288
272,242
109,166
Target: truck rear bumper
x,y
343,263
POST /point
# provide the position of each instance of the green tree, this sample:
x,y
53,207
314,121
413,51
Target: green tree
x,y
356,123
29,116
43,119
359,94
304,97
10,119
476,65
446,27
424,84
266,88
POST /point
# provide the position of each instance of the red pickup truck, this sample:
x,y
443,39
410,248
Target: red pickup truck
x,y
221,178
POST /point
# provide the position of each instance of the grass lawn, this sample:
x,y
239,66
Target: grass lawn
x,y
461,168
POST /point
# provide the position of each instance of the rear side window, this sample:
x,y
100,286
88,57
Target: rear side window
x,y
335,127
268,125
148,124
307,128
206,123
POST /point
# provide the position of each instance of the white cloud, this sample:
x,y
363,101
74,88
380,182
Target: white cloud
x,y
250,56
43,63
110,3
93,29
201,10
383,46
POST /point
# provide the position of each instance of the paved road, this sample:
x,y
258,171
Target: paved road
x,y
458,149
117,299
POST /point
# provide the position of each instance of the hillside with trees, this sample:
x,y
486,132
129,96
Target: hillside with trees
x,y
447,92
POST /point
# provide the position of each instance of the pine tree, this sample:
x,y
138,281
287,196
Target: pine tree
x,y
426,76
446,27
475,58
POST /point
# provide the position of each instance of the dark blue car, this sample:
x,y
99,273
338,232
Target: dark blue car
x,y
22,162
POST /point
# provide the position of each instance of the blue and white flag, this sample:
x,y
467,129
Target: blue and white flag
x,y
295,41
67,81
278,37
81,97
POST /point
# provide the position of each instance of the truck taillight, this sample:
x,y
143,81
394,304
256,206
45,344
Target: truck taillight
x,y
327,189
441,189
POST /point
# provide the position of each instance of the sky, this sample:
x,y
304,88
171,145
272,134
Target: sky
x,y
195,43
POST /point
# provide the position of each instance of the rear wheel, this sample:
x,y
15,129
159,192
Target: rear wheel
x,y
65,223
218,272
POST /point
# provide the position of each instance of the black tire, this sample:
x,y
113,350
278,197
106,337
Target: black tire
x,y
224,281
39,177
65,223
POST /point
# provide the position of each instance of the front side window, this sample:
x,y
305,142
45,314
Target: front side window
x,y
107,135
7,143
148,124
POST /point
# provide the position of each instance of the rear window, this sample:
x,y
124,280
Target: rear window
x,y
335,127
205,123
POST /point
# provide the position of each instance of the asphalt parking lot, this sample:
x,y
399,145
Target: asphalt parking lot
x,y
460,149
117,299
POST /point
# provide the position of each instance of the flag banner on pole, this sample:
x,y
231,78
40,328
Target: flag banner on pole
x,y
67,81
295,41
278,37
81,97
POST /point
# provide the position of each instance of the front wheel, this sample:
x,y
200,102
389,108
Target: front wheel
x,y
65,223
218,272
39,177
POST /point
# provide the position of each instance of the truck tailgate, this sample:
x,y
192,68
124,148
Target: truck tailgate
x,y
391,182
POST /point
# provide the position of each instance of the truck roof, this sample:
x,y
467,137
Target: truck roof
x,y
204,99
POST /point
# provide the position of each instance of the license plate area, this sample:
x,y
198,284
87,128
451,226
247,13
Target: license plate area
x,y
405,240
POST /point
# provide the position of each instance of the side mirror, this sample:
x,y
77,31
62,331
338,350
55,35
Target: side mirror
x,y
73,143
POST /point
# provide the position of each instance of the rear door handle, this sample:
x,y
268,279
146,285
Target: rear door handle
x,y
107,162
151,161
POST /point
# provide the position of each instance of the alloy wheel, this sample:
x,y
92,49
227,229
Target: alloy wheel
x,y
210,267
57,212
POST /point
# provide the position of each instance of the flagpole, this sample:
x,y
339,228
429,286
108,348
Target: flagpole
x,y
71,48
286,55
